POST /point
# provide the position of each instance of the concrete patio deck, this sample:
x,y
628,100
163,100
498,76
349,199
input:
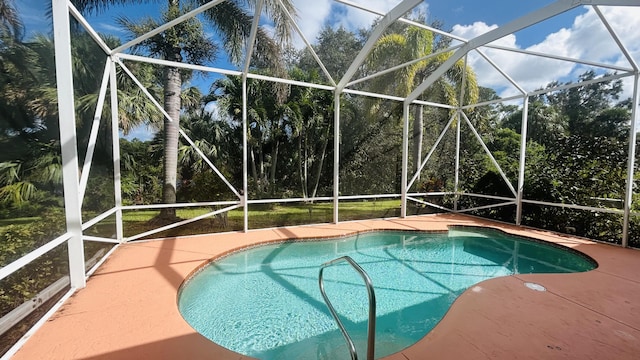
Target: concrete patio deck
x,y
128,309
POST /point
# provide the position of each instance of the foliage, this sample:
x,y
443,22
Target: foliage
x,y
140,173
336,49
205,186
16,241
35,178
576,154
312,131
545,124
583,103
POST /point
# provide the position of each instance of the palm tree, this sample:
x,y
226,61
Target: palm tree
x,y
545,123
186,41
311,128
11,26
413,43
268,117
29,114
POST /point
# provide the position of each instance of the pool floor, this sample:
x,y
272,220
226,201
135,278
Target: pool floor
x,y
128,309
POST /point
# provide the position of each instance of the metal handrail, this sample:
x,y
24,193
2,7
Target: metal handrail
x,y
371,330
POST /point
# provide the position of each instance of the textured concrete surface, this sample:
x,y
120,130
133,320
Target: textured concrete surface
x,y
128,309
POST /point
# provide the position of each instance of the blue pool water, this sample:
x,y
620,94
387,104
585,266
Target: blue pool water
x,y
265,302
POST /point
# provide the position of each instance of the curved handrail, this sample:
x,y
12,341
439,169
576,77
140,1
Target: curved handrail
x,y
371,330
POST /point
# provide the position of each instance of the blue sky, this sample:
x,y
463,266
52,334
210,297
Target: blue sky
x,y
466,17
578,33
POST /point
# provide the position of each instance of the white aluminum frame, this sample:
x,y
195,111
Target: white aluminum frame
x,y
67,115
75,182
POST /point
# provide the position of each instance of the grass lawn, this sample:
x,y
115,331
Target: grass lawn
x,y
260,216
17,221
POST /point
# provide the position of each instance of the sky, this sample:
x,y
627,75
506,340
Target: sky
x,y
578,33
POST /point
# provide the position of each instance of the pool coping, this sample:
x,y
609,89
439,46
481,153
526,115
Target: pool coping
x,y
584,315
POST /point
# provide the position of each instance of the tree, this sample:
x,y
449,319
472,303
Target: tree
x,y
140,171
545,124
582,104
31,169
11,26
312,128
411,43
269,120
210,135
576,154
186,41
335,48
29,124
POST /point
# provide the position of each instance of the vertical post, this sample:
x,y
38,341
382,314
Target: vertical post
x,y
523,157
635,117
245,180
115,138
457,174
336,156
68,141
405,159
459,129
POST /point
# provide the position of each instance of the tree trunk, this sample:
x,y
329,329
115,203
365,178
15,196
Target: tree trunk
x,y
172,105
274,161
323,154
254,170
418,132
261,177
306,166
301,173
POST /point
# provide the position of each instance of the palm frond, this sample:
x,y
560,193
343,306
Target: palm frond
x,y
11,25
17,193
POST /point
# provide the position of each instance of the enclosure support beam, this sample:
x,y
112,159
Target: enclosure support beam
x,y
457,162
635,117
459,129
393,15
523,155
68,141
336,155
245,183
115,138
433,148
95,128
490,36
489,154
170,24
245,153
405,160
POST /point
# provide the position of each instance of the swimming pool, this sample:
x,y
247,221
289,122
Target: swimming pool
x,y
265,302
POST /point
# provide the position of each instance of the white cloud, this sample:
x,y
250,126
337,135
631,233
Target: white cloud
x,y
110,28
586,39
353,18
478,28
311,17
141,132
